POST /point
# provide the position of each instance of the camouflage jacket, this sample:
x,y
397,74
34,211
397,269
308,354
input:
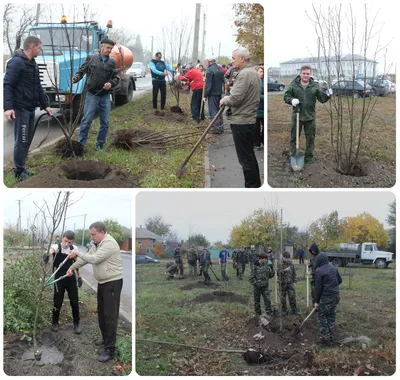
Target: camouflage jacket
x,y
253,257
242,257
171,267
287,273
207,262
234,256
312,267
192,254
261,274
177,253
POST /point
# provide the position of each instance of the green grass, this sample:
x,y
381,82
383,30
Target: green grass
x,y
124,353
152,168
165,312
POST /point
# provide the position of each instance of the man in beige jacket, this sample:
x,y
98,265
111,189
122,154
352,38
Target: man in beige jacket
x,y
105,256
242,104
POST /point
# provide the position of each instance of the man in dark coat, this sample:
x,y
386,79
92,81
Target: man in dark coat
x,y
314,250
23,92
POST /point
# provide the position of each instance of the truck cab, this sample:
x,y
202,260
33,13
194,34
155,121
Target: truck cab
x,y
370,254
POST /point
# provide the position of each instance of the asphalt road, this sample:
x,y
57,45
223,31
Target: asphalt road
x,y
142,85
126,294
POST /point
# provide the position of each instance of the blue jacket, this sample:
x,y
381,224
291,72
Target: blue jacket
x,y
327,278
22,87
157,69
223,255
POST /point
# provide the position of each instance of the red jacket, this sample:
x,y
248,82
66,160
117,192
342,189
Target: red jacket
x,y
194,77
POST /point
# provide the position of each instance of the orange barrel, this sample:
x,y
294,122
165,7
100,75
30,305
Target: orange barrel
x,y
122,56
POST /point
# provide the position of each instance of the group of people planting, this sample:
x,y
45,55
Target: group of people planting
x,y
325,279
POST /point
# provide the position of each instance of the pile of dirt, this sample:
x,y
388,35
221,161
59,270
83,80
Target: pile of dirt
x,y
200,285
81,174
221,296
168,116
176,109
133,138
64,150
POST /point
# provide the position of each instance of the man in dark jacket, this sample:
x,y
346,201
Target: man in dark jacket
x,y
23,92
158,70
314,250
101,77
213,92
178,259
300,255
205,263
242,260
327,297
302,94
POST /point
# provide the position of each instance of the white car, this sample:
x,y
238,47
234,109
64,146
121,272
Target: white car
x,y
138,70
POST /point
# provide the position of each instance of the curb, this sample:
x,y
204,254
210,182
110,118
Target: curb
x,y
122,312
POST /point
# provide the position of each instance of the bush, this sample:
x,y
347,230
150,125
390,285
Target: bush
x,y
21,294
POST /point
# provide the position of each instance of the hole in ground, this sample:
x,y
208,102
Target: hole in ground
x,y
84,175
356,171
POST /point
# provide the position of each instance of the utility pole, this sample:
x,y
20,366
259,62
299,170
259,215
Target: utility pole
x,y
37,13
219,50
152,41
83,232
203,53
19,216
195,53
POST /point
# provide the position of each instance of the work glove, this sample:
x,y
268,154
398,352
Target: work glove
x,y
329,92
295,102
80,282
74,79
204,100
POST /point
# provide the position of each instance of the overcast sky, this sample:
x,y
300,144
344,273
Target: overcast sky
x,y
214,214
98,205
291,34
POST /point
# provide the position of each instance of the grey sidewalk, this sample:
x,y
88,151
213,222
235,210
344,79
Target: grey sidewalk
x,y
223,169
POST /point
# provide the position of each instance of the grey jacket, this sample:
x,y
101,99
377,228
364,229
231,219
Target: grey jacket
x,y
105,258
244,99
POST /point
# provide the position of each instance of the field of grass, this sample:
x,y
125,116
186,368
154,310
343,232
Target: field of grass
x,y
152,168
166,312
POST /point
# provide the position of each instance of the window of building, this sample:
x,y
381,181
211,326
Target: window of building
x,y
139,244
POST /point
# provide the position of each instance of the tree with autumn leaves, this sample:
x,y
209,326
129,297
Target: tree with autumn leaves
x,y
249,21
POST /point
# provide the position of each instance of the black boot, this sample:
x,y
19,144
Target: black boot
x,y
106,355
54,327
99,342
77,329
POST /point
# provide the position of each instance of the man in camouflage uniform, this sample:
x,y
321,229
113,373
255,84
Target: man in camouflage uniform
x,y
327,297
253,257
205,262
314,250
171,269
178,259
287,279
234,261
259,279
242,260
192,261
223,258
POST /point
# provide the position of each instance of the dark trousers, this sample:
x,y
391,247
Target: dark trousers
x,y
243,139
309,131
24,124
259,132
301,260
162,86
195,105
68,284
213,108
108,297
179,262
327,317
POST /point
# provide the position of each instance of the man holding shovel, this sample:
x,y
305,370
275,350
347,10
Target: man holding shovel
x,y
302,94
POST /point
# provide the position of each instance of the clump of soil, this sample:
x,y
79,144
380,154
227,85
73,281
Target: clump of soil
x,y
132,138
63,148
220,297
200,285
81,174
176,109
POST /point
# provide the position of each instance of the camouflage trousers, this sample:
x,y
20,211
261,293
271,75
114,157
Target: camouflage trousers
x,y
192,268
179,262
223,271
251,267
287,290
327,317
205,273
264,292
309,131
171,271
240,270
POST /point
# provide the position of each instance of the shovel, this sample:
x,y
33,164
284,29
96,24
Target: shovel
x,y
297,161
182,169
297,329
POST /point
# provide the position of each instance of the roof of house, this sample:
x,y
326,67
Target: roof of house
x,y
348,57
143,233
127,230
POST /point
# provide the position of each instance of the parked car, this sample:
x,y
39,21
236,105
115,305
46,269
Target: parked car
x,y
142,259
275,85
320,81
138,70
352,88
392,86
380,86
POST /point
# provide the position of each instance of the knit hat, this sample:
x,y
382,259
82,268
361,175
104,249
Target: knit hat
x,y
107,41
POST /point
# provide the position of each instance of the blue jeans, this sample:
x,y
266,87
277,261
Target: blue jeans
x,y
91,103
213,108
24,124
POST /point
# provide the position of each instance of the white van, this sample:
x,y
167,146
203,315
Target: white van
x,y
138,70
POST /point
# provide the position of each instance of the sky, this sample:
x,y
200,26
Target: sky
x,y
98,205
214,214
291,34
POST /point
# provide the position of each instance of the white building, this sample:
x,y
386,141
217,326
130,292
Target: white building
x,y
320,69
